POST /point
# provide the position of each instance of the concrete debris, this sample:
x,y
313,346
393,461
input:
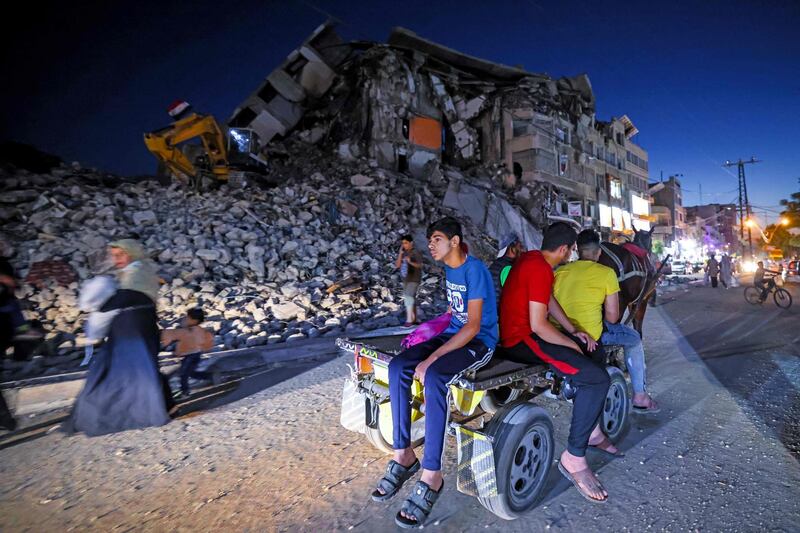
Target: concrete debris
x,y
312,257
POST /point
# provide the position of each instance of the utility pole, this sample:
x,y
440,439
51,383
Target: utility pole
x,y
744,202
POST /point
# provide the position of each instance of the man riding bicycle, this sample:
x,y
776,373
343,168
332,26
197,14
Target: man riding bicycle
x,y
764,285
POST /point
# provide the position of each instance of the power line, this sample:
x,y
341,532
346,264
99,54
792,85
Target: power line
x,y
744,203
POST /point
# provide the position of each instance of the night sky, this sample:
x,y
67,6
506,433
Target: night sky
x,y
704,81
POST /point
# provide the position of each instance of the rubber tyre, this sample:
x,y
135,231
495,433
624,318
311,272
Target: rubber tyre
x,y
783,298
382,440
615,417
521,431
375,437
495,399
752,295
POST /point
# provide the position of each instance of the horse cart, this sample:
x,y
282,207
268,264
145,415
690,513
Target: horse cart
x,y
505,441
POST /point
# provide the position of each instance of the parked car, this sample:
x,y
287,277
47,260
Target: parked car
x,y
679,267
791,274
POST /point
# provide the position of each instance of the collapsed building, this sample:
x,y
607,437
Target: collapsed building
x,y
418,107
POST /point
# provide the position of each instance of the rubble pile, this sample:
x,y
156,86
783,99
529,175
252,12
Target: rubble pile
x,y
313,256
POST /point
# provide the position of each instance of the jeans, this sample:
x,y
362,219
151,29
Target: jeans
x,y
438,378
629,339
189,370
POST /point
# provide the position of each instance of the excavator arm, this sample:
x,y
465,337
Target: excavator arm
x,y
164,145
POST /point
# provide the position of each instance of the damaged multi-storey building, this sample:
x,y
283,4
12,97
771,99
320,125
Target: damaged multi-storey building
x,y
418,107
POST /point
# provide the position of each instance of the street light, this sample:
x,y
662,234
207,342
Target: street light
x,y
750,223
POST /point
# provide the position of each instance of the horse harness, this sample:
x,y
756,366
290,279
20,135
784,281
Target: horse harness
x,y
639,269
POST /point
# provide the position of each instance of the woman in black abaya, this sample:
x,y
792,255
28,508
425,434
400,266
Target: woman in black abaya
x,y
124,388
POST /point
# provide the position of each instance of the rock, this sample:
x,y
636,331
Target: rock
x,y
360,180
144,218
255,257
289,291
208,255
287,311
289,247
295,337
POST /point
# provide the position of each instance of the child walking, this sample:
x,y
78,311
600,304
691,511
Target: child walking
x,y
192,342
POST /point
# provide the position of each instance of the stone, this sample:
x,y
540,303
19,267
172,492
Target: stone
x,y
295,337
289,247
287,311
144,218
360,180
255,257
208,255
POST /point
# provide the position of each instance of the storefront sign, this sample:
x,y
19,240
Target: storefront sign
x,y
605,215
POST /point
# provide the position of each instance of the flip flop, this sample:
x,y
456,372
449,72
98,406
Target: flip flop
x,y
647,410
603,445
582,476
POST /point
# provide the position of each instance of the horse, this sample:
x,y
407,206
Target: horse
x,y
636,273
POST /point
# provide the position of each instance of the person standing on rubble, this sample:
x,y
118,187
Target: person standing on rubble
x,y
124,388
409,261
467,343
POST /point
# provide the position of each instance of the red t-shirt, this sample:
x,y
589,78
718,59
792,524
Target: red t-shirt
x,y
530,280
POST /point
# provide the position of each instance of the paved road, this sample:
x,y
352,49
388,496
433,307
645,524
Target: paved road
x,y
752,350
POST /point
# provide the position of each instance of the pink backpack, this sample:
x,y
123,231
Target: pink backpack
x,y
426,331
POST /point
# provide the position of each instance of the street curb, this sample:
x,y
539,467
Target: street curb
x,y
37,395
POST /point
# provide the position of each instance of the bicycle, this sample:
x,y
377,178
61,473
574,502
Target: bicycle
x,y
782,297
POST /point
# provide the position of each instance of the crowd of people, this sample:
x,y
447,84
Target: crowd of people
x,y
529,307
719,271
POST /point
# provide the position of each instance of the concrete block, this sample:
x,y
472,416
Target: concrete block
x,y
286,86
316,77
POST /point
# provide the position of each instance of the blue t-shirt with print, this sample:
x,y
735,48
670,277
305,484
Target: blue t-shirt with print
x,y
472,281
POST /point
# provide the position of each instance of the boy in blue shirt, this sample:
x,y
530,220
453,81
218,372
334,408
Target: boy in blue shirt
x,y
467,343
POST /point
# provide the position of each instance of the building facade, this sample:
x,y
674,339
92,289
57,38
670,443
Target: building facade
x,y
668,211
412,105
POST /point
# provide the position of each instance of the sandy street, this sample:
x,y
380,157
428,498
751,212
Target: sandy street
x,y
279,461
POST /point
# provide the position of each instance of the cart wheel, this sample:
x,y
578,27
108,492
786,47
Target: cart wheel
x,y
375,438
782,298
494,399
617,406
523,448
752,295
381,436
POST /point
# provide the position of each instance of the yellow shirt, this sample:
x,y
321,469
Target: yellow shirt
x,y
581,288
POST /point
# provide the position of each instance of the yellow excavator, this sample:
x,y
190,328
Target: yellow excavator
x,y
218,157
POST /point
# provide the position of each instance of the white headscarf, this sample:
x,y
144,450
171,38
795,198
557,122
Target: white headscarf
x,y
140,275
